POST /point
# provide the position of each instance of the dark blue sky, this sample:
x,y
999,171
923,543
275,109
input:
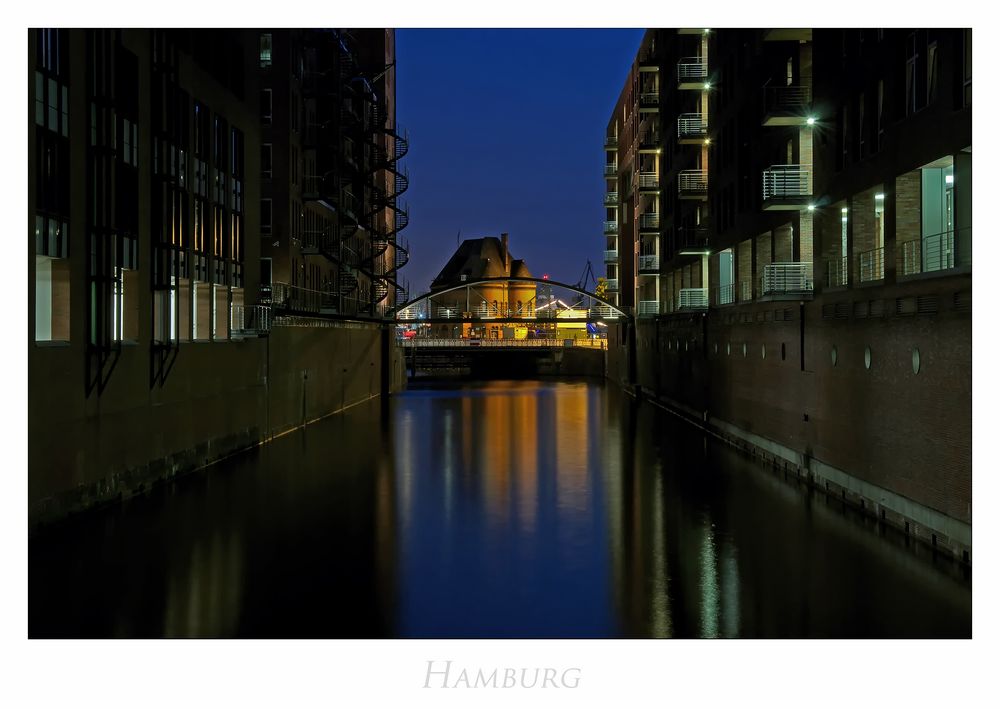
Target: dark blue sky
x,y
506,134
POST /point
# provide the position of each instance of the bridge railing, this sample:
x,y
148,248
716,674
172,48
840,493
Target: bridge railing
x,y
595,343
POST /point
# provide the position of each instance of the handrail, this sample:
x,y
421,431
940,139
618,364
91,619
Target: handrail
x,y
250,319
692,125
611,170
787,98
935,252
610,255
790,277
649,179
693,299
610,227
692,181
610,198
649,307
649,220
871,265
692,68
786,181
836,272
612,284
649,262
649,98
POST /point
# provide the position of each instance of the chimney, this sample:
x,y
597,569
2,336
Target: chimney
x,y
503,243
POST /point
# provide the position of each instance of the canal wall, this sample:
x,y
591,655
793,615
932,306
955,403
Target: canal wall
x,y
868,399
218,399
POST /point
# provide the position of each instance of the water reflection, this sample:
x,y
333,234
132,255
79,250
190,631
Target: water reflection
x,y
509,509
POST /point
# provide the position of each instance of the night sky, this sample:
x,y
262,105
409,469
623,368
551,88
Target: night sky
x,y
506,134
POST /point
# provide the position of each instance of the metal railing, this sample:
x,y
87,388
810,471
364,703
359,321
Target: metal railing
x,y
692,125
611,170
692,238
611,256
871,265
649,307
649,98
724,295
610,227
746,291
250,319
692,69
649,140
610,199
692,181
931,253
611,141
793,277
612,284
782,181
649,262
648,179
836,272
602,311
649,220
693,299
289,297
787,99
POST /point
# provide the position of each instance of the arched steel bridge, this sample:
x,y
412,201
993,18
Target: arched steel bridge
x,y
444,306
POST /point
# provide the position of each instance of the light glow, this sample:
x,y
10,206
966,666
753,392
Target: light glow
x,y
880,196
949,179
811,121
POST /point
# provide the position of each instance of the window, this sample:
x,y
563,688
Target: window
x,y
861,126
265,106
931,72
52,292
265,161
265,50
265,216
967,69
879,116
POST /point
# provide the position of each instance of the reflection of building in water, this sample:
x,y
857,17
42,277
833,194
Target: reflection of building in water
x,y
477,259
204,599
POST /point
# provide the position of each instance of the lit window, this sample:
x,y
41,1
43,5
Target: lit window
x,y
265,50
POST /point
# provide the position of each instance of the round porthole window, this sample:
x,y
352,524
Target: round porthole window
x,y
677,345
763,351
716,348
868,357
916,361
744,349
685,346
728,348
833,355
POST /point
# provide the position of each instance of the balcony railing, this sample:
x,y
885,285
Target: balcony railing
x,y
692,69
611,170
786,105
692,182
692,239
746,291
250,319
650,220
781,278
932,253
786,181
871,265
612,284
611,199
649,262
650,140
649,180
692,126
693,299
649,307
724,295
611,256
611,142
610,227
836,272
649,99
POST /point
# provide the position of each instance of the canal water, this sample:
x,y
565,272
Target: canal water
x,y
503,509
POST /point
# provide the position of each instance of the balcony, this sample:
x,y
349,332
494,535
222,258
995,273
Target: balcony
x,y
612,285
649,307
792,279
692,30
693,299
648,62
649,101
611,256
836,272
787,187
611,170
692,73
692,184
692,241
611,142
932,253
692,128
649,263
650,142
871,265
724,295
787,105
611,227
789,34
649,181
649,220
610,199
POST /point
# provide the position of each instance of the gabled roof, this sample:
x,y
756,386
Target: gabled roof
x,y
476,259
